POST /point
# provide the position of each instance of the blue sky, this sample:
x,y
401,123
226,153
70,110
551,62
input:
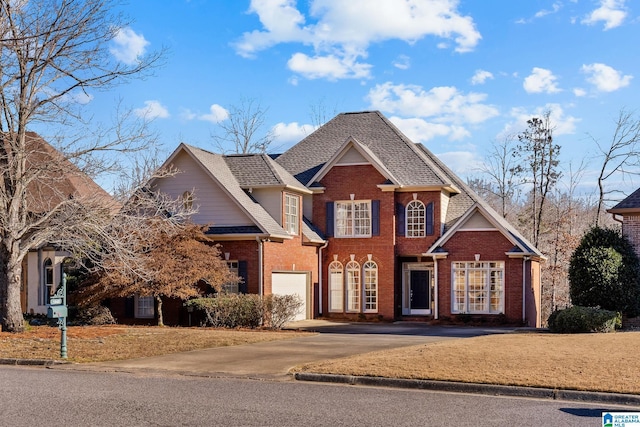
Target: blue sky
x,y
454,75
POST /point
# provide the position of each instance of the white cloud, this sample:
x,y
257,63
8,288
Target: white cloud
x,y
152,110
480,77
419,130
402,62
187,114
216,114
444,104
329,67
612,12
342,31
579,92
461,162
287,133
128,45
540,80
555,7
562,123
605,78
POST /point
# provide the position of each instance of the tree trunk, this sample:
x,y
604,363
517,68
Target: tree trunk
x,y
10,282
159,305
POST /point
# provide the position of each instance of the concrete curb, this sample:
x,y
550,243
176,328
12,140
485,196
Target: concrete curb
x,y
489,389
32,362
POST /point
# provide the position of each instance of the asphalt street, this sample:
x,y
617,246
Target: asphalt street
x,y
34,397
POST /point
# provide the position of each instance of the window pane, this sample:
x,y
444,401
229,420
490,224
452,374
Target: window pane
x,y
459,291
353,287
370,286
415,219
336,291
145,307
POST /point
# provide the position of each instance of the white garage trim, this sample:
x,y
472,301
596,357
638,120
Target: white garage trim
x,y
294,283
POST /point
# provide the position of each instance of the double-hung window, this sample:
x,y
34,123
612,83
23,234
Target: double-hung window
x,y
370,273
144,307
336,287
478,287
353,287
353,218
291,213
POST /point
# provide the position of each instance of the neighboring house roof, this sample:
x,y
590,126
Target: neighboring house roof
x,y
237,173
631,204
57,179
374,132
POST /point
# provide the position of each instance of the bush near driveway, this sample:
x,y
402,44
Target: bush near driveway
x,y
248,310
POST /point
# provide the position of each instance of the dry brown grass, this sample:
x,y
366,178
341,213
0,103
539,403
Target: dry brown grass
x,y
101,343
596,362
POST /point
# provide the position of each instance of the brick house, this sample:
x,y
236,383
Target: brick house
x,y
628,213
362,223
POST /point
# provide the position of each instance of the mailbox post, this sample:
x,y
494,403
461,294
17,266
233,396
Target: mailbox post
x,y
58,309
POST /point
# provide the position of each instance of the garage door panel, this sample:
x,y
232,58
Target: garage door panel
x,y
291,284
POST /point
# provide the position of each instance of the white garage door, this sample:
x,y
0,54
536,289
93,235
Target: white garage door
x,y
291,284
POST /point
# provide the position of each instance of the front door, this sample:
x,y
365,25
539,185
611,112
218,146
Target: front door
x,y
416,289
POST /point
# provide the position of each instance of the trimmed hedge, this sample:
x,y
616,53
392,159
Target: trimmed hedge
x,y
247,310
577,319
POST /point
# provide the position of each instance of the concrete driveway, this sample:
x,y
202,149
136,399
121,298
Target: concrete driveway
x,y
273,360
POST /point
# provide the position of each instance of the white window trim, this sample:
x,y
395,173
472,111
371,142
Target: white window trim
x,y
412,234
485,266
369,266
292,219
232,288
334,268
352,233
353,289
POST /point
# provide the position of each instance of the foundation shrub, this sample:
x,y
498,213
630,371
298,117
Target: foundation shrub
x,y
579,319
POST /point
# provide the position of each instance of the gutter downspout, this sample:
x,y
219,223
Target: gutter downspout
x,y
620,220
260,275
524,288
435,273
320,276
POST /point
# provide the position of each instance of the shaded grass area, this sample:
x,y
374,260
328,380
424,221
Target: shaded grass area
x,y
592,362
116,342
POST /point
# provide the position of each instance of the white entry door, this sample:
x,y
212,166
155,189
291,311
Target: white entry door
x,y
292,284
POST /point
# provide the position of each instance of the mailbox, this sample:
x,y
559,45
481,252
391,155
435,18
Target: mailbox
x,y
56,311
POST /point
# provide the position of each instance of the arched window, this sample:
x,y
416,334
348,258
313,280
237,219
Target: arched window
x,y
415,219
336,287
353,286
370,277
48,286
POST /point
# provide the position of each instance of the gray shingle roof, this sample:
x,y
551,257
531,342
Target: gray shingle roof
x,y
259,170
373,131
632,202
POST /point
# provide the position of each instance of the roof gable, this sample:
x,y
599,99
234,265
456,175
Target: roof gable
x,y
376,135
354,150
630,204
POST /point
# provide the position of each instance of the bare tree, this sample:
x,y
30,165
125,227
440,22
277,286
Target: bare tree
x,y
538,166
500,167
53,52
620,157
319,114
243,130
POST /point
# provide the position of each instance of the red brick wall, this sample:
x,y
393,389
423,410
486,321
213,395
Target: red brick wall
x,y
631,230
491,245
362,181
244,250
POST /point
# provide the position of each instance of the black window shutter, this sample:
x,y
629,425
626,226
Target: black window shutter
x,y
329,229
400,219
375,217
129,304
242,272
429,215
